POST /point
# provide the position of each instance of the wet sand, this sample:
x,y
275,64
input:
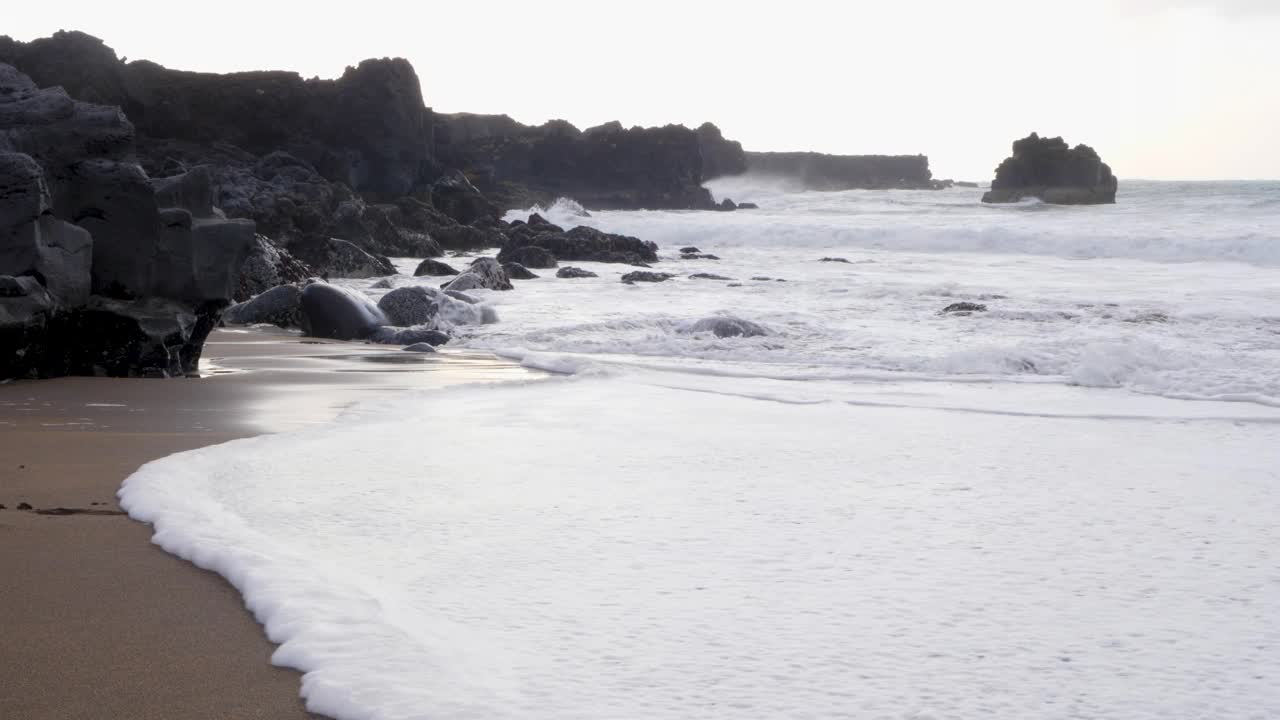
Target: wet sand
x,y
95,621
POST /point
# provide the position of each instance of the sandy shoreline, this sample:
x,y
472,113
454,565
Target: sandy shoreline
x,y
96,621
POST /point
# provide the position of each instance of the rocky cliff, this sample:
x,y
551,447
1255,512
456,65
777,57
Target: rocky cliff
x,y
817,171
605,167
368,129
102,270
1054,172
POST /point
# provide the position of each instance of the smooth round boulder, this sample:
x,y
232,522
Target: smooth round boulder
x,y
333,312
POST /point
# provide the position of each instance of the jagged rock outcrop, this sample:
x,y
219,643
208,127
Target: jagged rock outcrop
x,y
574,272
132,277
334,258
269,266
581,244
720,157
1054,172
818,171
484,273
605,167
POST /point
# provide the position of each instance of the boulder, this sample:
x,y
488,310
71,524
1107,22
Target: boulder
x,y
420,348
281,305
516,271
727,205
643,276
329,311
268,266
434,268
708,276
530,256
573,272
411,305
484,273
835,260
728,326
1048,169
748,206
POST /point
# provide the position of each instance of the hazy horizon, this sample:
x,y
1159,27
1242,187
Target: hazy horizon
x,y
1163,89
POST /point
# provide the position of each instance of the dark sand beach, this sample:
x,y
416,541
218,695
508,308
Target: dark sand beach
x,y
100,623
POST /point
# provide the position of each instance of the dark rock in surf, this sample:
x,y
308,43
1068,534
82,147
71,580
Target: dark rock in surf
x,y
643,276
727,205
574,272
708,276
516,271
834,260
726,326
1048,169
964,308
583,244
420,334
333,312
484,273
420,348
434,268
748,206
530,256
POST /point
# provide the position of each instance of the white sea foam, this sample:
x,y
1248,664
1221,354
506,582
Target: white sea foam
x,y
665,546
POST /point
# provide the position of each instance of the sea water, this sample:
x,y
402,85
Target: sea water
x,y
1060,507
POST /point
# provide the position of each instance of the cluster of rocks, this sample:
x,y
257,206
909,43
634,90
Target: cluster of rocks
x,y
1054,172
539,243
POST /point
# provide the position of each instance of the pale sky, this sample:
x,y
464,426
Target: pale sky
x,y
1168,89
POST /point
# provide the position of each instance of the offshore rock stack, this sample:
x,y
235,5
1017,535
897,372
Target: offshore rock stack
x,y
1049,169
